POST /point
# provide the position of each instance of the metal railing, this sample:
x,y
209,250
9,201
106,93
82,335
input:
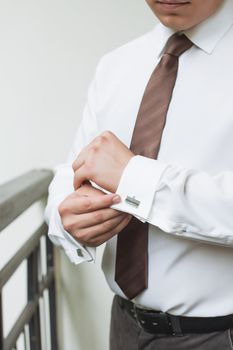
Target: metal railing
x,y
15,197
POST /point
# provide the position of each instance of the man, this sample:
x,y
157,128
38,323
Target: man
x,y
165,161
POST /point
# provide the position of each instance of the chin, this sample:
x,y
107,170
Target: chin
x,y
174,23
176,28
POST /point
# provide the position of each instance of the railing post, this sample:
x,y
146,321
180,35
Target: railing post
x,y
33,290
52,296
1,323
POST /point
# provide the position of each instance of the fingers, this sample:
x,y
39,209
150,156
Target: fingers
x,y
81,172
80,176
82,204
80,160
74,223
88,233
90,219
99,234
87,190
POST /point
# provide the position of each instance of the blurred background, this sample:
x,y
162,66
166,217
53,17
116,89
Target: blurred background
x,y
48,53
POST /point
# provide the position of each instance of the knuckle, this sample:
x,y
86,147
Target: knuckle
x,y
87,204
68,225
62,209
98,216
93,150
106,134
97,142
79,236
107,225
83,236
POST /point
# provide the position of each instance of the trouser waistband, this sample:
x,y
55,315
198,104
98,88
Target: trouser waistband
x,y
158,322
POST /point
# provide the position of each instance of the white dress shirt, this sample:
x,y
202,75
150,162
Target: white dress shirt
x,y
186,195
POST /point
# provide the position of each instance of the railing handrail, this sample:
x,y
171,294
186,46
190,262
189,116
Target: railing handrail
x,y
19,194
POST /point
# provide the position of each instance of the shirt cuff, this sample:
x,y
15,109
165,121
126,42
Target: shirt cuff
x,y
76,252
138,185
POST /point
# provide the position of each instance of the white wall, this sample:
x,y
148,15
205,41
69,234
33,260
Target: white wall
x,y
48,52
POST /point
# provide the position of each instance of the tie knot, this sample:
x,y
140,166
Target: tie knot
x,y
177,44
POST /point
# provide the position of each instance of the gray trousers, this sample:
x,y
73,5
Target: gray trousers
x,y
125,334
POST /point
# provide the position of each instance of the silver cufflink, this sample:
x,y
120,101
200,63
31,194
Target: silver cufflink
x,y
80,253
132,201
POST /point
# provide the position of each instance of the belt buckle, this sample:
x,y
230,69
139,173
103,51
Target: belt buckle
x,y
160,320
162,323
135,311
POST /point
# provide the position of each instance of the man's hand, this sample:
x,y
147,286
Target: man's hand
x,y
87,216
102,162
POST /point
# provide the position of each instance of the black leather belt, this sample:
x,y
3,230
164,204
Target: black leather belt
x,y
157,322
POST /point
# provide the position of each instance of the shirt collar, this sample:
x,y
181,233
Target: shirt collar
x,y
205,35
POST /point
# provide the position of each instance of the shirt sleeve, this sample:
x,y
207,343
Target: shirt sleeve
x,y
62,184
185,202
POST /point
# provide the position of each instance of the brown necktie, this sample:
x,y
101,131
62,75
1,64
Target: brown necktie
x,y
132,244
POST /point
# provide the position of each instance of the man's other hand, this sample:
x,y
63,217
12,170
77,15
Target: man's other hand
x,y
102,162
87,216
